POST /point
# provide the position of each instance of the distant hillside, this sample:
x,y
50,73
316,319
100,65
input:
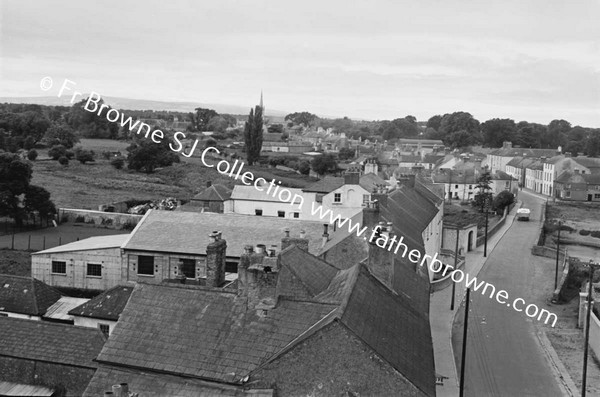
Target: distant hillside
x,y
141,104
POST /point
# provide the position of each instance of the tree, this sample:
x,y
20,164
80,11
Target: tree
x,y
57,151
61,133
434,122
593,144
496,131
503,200
529,135
275,128
203,116
217,124
302,118
37,199
324,164
29,143
458,122
345,153
459,139
84,156
397,128
557,133
147,156
15,175
92,124
304,168
32,154
483,198
253,135
63,160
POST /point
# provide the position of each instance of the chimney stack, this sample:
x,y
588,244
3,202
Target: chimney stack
x,y
407,180
208,184
257,279
325,233
215,260
300,242
381,255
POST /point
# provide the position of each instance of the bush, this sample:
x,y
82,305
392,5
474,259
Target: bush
x,y
32,154
84,156
304,168
57,151
63,160
117,162
106,155
595,233
69,154
584,232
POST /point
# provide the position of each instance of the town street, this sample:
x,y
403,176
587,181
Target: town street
x,y
504,356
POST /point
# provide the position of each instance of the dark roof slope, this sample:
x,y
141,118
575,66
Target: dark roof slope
x,y
51,342
325,185
26,295
214,193
203,333
159,385
108,305
314,273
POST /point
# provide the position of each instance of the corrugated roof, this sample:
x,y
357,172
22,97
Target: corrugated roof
x,y
203,333
51,342
26,295
108,305
159,385
91,243
19,389
60,310
214,193
187,232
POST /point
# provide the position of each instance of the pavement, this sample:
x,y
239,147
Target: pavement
x,y
504,355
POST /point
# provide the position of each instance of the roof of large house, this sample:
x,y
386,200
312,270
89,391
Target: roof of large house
x,y
214,193
588,162
243,192
159,328
408,141
325,185
501,176
187,232
535,165
50,342
409,158
370,181
107,306
523,152
570,177
90,243
592,179
26,295
433,158
465,176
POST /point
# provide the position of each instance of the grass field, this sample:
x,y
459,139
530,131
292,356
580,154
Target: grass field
x,y
16,263
89,185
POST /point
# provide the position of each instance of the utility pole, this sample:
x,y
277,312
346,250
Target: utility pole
x,y
557,254
486,228
464,346
456,267
587,327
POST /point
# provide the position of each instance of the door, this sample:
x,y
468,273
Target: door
x,y
470,241
589,197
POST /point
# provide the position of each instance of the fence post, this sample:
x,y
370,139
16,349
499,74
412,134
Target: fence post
x,y
29,243
12,245
59,240
44,244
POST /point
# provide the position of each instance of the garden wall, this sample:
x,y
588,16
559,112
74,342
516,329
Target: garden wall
x,y
110,220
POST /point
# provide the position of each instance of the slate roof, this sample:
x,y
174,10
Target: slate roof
x,y
536,165
213,193
570,177
409,141
242,192
91,243
203,333
588,162
107,306
50,342
501,176
433,158
159,385
409,158
523,152
370,180
325,185
187,232
313,273
26,295
592,179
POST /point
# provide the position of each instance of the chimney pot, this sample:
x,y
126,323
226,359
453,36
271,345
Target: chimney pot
x,y
248,249
208,184
116,389
125,389
261,249
287,232
212,237
302,234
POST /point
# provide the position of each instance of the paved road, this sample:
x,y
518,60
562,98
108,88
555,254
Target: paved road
x,y
504,357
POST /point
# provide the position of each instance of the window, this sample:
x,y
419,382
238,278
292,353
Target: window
x,y
337,197
146,265
105,328
470,186
456,186
296,215
206,204
59,267
258,212
568,194
94,269
597,196
281,214
188,267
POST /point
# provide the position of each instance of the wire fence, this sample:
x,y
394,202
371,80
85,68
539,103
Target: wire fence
x,y
29,242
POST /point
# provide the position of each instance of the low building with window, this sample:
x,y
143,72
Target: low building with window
x,y
575,186
165,245
210,199
25,297
102,311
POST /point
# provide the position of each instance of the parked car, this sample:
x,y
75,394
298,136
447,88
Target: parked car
x,y
523,214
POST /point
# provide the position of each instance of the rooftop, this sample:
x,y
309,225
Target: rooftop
x,y
325,185
50,342
60,310
243,192
187,232
107,306
91,243
26,295
213,193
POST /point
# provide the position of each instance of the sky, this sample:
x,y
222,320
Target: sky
x,y
534,60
